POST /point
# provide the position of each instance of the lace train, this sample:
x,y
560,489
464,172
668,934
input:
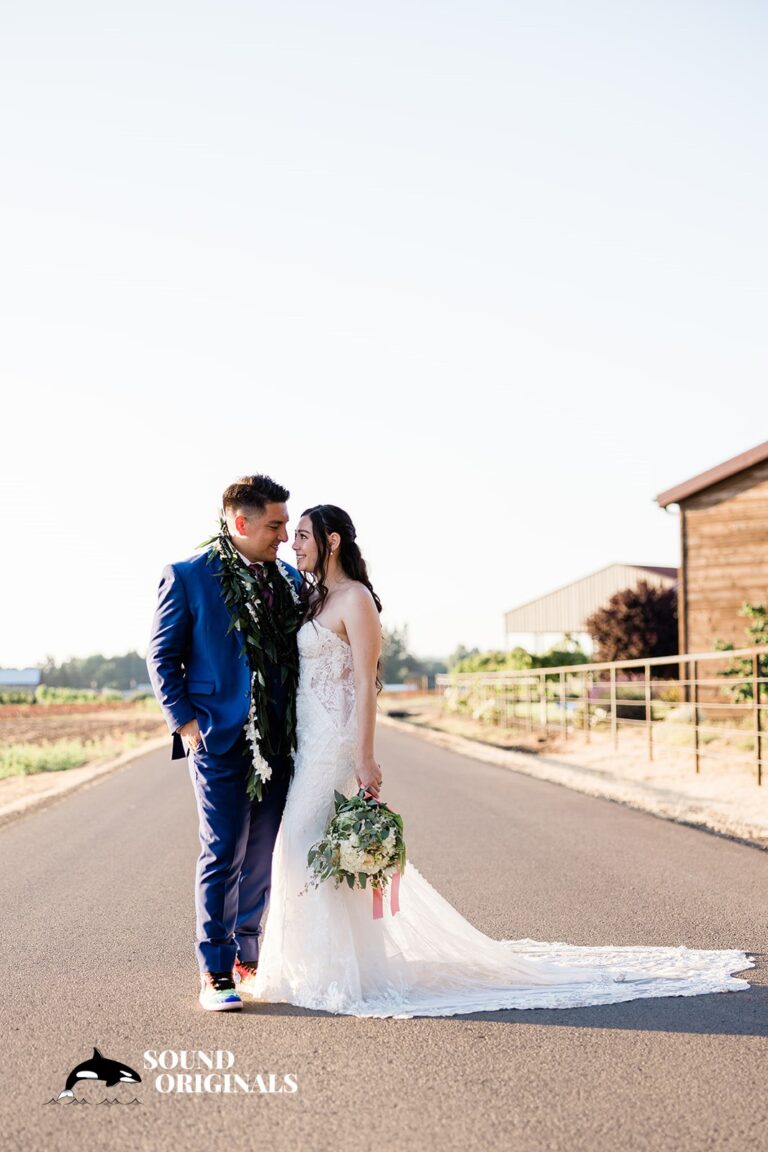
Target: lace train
x,y
322,949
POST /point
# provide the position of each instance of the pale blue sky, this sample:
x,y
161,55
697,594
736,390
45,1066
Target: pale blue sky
x,y
489,275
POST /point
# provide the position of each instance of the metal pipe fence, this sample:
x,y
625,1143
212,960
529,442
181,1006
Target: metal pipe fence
x,y
715,700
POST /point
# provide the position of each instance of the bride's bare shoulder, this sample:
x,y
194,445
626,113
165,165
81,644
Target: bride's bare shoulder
x,y
356,601
356,593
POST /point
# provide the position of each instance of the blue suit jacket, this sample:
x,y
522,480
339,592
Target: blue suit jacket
x,y
196,670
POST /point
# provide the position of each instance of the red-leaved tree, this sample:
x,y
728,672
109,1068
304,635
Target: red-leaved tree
x,y
636,624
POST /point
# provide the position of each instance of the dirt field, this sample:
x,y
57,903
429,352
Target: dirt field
x,y
40,725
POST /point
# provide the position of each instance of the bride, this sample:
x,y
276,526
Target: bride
x,y
321,947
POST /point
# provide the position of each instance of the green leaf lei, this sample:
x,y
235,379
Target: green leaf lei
x,y
267,634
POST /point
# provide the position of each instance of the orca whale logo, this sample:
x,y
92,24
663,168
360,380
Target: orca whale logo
x,y
99,1068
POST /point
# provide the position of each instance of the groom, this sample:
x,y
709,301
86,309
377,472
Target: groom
x,y
224,666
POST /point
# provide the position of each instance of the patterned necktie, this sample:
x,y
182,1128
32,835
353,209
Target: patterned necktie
x,y
260,573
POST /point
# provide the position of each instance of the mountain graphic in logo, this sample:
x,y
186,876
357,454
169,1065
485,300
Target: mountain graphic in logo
x,y
98,1067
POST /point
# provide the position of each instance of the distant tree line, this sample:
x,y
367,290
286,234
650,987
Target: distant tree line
x,y
399,665
636,623
120,673
567,651
123,673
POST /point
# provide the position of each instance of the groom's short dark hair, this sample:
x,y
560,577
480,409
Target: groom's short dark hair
x,y
254,492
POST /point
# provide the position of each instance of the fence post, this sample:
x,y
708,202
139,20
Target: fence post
x,y
563,712
585,696
614,716
756,707
693,673
648,718
544,719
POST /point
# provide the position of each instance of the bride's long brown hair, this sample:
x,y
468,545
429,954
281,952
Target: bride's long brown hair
x,y
327,518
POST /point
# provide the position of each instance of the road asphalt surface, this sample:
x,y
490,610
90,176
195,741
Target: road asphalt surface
x,y
97,944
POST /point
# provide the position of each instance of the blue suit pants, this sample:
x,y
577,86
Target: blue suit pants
x,y
237,837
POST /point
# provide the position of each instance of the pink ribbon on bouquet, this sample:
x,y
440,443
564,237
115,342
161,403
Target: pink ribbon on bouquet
x,y
394,903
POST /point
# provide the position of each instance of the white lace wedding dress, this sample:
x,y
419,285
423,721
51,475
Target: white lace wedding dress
x,y
323,949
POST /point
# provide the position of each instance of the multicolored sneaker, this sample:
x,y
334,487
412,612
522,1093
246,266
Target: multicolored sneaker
x,y
245,975
218,993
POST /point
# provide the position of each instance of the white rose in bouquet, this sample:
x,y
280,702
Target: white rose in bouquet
x,y
351,858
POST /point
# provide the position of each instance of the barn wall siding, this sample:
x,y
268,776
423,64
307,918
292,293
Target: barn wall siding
x,y
726,558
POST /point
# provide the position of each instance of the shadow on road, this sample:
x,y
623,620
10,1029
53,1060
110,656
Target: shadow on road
x,y
717,1014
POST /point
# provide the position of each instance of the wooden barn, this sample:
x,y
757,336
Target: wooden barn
x,y
723,548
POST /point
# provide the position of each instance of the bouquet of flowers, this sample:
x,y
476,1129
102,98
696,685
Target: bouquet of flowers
x,y
363,841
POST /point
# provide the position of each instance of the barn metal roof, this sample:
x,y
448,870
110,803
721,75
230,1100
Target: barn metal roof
x,y
19,677
712,476
567,609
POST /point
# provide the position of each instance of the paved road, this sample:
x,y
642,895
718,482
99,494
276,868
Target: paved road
x,y
97,923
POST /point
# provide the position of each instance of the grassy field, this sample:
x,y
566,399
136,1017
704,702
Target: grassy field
x,y
38,739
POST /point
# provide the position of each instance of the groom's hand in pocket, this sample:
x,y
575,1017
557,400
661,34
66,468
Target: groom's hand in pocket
x,y
191,733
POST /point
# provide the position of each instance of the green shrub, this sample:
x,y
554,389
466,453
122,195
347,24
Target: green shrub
x,y
17,696
742,669
48,695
